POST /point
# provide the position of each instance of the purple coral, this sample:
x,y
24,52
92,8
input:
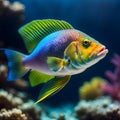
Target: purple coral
x,y
100,109
113,88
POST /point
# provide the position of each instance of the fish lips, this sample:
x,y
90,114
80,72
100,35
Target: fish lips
x,y
102,52
100,55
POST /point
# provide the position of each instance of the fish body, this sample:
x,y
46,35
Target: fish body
x,y
52,45
55,45
56,51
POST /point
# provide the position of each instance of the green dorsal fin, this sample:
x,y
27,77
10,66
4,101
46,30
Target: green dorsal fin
x,y
33,32
36,77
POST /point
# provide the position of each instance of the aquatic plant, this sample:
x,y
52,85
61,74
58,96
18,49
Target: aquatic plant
x,y
113,87
92,89
100,109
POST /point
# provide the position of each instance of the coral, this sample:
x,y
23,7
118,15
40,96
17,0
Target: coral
x,y
113,88
61,117
3,72
31,111
15,7
11,18
9,101
99,109
14,114
91,90
65,112
11,11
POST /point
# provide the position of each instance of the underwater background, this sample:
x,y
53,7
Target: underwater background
x,y
98,18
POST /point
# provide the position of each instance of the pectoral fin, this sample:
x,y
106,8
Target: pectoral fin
x,y
53,86
56,64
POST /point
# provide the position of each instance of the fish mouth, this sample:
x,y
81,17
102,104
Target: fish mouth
x,y
102,52
99,53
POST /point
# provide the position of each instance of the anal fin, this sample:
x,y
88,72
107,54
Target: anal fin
x,y
36,77
53,86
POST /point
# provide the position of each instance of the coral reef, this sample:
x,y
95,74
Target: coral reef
x,y
24,110
14,114
64,112
8,8
31,111
91,90
11,18
102,108
11,13
14,107
14,103
99,109
113,88
8,101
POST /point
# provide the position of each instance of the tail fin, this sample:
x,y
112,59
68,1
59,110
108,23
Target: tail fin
x,y
15,67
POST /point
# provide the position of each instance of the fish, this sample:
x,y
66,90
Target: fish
x,y
56,51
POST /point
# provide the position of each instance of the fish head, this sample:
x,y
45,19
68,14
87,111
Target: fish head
x,y
90,50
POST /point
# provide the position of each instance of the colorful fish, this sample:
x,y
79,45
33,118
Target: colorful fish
x,y
56,51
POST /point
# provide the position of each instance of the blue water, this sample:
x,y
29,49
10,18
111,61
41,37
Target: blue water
x,y
97,18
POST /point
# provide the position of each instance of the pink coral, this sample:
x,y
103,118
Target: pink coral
x,y
113,88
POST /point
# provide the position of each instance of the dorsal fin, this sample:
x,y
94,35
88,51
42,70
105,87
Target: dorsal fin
x,y
33,32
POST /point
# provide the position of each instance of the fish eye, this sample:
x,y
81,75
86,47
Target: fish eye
x,y
86,43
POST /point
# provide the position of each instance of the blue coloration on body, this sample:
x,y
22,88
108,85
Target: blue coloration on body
x,y
52,45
